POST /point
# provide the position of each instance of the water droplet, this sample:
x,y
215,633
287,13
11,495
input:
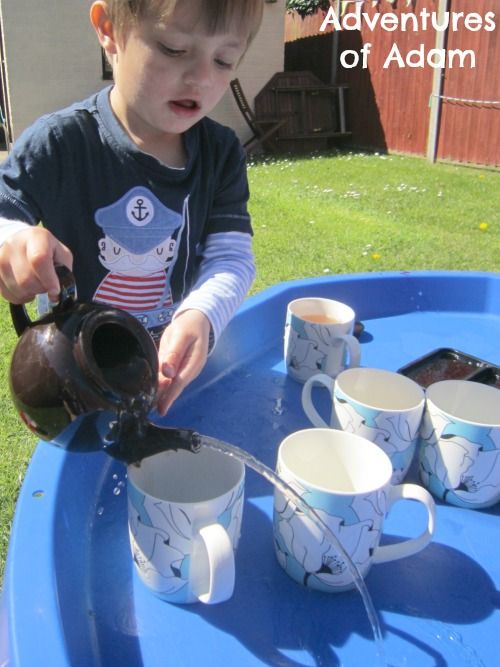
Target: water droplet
x,y
117,491
100,511
278,407
121,484
38,493
115,476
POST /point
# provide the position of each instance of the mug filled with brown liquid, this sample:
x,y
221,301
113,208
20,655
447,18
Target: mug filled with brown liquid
x,y
319,338
319,318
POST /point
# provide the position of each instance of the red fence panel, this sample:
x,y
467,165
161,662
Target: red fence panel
x,y
389,101
470,129
389,105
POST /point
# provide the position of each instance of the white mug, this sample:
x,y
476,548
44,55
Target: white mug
x,y
377,404
460,443
185,515
318,338
347,481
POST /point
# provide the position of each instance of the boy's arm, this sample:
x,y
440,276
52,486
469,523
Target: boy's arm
x,y
227,267
28,251
224,277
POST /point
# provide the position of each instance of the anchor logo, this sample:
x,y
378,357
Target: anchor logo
x,y
140,210
140,216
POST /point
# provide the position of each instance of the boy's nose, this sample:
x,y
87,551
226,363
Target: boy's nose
x,y
200,74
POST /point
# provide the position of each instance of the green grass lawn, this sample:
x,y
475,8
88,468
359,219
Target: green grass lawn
x,y
347,213
358,213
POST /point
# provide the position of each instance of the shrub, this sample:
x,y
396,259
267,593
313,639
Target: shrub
x,y
306,7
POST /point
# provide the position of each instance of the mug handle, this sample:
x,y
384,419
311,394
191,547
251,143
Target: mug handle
x,y
409,547
354,349
219,568
307,403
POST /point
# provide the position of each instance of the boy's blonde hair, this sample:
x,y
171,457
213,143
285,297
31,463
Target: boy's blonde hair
x,y
217,15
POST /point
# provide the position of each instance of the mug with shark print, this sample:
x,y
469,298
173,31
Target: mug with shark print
x,y
459,456
346,480
185,514
379,405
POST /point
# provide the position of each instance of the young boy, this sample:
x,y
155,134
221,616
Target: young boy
x,y
135,189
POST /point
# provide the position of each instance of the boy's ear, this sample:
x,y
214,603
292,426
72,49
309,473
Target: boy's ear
x,y
100,20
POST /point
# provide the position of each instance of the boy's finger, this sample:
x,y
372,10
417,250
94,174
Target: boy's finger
x,y
8,283
168,391
48,278
170,363
42,251
172,352
63,255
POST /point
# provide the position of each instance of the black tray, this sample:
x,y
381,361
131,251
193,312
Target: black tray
x,y
449,364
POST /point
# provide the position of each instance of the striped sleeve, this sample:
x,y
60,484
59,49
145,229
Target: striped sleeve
x,y
224,277
10,227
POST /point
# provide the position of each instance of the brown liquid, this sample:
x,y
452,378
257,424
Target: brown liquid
x,y
443,369
319,319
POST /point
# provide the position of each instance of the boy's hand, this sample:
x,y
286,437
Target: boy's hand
x,y
27,260
182,355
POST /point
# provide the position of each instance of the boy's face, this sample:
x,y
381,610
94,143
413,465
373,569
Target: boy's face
x,y
170,75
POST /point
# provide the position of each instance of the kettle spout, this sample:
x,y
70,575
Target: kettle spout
x,y
131,442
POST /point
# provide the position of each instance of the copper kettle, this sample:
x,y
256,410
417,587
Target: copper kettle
x,y
84,377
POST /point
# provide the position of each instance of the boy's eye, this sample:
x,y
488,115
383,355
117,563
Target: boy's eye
x,y
223,64
173,53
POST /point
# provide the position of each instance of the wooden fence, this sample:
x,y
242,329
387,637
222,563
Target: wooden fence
x,y
449,114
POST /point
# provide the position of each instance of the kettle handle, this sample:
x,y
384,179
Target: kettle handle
x,y
20,317
67,296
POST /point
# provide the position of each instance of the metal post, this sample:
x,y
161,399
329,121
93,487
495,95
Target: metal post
x,y
435,102
335,49
4,85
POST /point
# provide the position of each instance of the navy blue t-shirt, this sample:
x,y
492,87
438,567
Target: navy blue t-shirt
x,y
135,226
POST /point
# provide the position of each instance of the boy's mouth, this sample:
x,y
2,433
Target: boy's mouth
x,y
187,105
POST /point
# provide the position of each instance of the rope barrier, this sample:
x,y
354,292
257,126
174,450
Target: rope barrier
x,y
465,101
